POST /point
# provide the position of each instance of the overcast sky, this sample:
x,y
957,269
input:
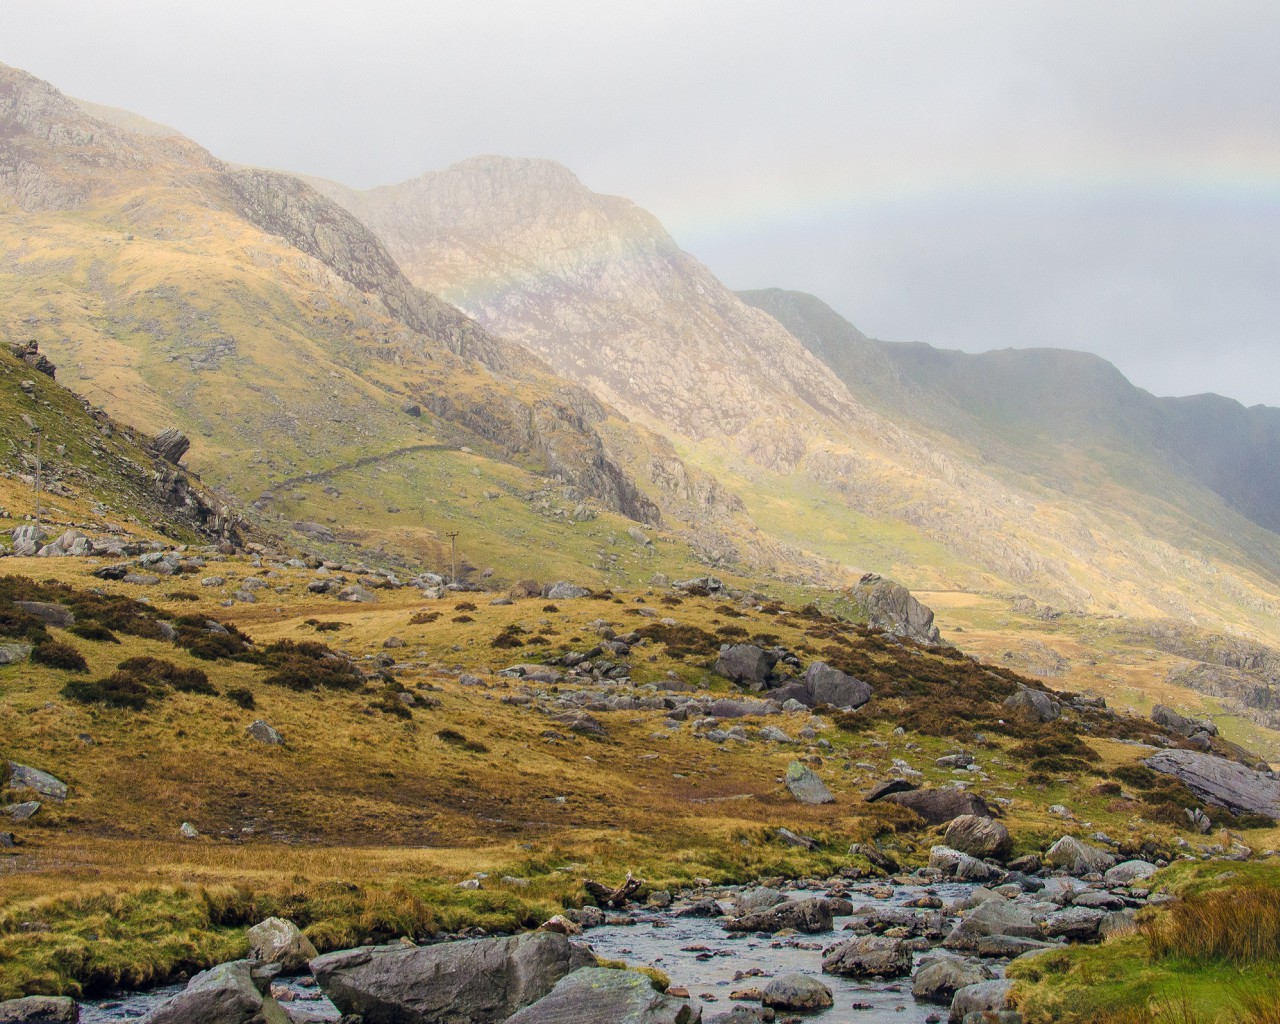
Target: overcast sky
x,y
978,174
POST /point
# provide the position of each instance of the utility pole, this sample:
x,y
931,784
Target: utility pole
x,y
453,543
38,437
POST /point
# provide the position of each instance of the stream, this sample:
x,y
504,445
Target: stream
x,y
697,954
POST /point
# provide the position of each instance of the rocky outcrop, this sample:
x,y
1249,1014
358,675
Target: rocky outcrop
x,y
171,445
890,606
479,980
1219,781
29,353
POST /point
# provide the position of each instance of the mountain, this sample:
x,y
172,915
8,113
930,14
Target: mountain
x,y
596,287
314,380
1024,400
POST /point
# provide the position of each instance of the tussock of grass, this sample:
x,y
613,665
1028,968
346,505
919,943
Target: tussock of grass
x,y
1239,925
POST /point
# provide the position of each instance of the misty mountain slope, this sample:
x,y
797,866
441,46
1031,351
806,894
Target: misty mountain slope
x,y
276,331
597,287
1021,407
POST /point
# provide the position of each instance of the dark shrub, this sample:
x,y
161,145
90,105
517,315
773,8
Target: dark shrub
x,y
118,690
57,654
242,697
157,671
93,631
308,665
456,739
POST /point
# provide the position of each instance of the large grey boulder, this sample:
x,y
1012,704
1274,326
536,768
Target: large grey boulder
x,y
39,1010
1129,871
962,867
985,997
804,784
939,806
1034,704
277,941
476,981
23,776
741,707
563,591
171,444
978,836
745,664
1164,715
49,612
809,916
596,994
1071,855
797,992
231,993
15,653
1219,781
890,606
997,917
938,982
1075,924
264,733
751,901
868,956
826,685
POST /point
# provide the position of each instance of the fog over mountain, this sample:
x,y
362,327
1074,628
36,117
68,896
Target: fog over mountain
x,y
982,176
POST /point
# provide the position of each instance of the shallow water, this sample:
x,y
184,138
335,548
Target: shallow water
x,y
697,953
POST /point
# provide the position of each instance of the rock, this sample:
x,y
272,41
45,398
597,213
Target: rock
x,y
13,654
772,734
961,866
231,993
188,831
264,733
938,981
1075,924
39,1010
23,776
596,994
277,941
563,591
49,613
1219,781
477,980
987,996
890,606
995,917
560,923
805,786
113,572
796,839
1176,723
827,685
797,992
978,836
1071,855
883,789
751,901
868,956
745,664
7,840
411,409
939,806
356,594
70,542
809,916
29,352
1035,704
316,531
1010,946
141,579
171,444
22,811
1129,871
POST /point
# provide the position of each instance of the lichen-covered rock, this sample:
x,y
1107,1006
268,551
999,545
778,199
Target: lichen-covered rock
x,y
868,956
797,992
978,836
597,994
891,607
805,785
1071,855
1219,781
277,941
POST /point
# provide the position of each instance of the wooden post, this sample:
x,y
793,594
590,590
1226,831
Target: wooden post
x,y
453,543
38,438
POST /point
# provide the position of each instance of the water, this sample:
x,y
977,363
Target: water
x,y
697,954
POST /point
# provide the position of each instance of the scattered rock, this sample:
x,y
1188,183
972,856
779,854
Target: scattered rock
x,y
987,996
978,836
39,1010
231,993
264,733
13,654
938,982
797,992
49,613
1071,855
188,831
810,916
961,866
805,785
1035,704
745,664
868,956
277,941
1129,871
563,591
596,994
23,776
939,806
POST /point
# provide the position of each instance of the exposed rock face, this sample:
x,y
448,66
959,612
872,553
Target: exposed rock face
x,y
1220,781
938,806
890,606
480,980
596,994
29,353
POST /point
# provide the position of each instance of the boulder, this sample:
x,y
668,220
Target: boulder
x,y
1219,781
596,994
277,941
797,992
810,916
13,654
356,594
23,776
171,444
1163,715
1071,855
939,806
890,606
996,917
477,980
745,664
978,836
889,786
985,997
938,982
1129,871
1010,946
264,733
563,591
1034,704
48,612
22,811
751,901
39,1010
868,956
805,786
1075,924
231,993
827,685
962,867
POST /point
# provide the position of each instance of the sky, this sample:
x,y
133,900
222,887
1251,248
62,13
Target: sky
x,y
976,174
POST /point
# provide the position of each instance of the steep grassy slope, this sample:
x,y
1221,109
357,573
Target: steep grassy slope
x,y
596,286
276,331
